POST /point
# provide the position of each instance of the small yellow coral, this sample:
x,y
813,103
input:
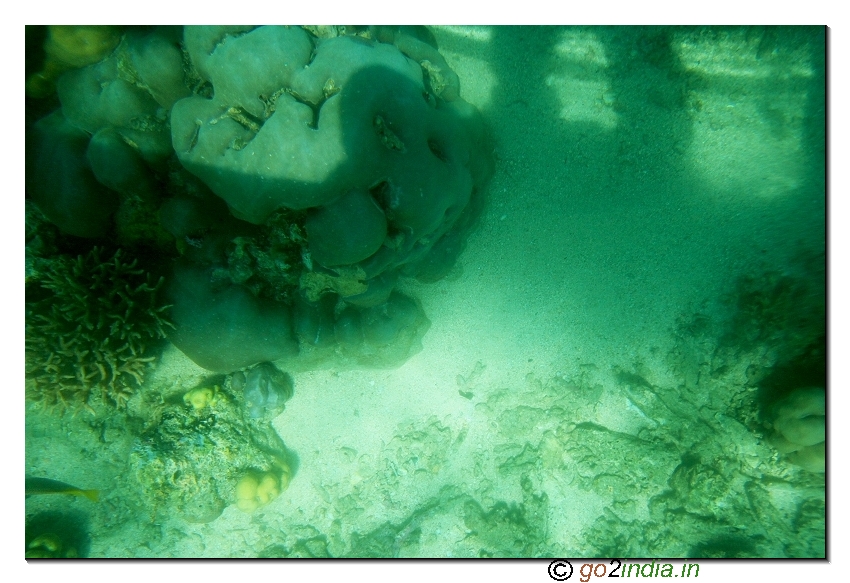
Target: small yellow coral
x,y
81,45
256,489
202,397
268,489
246,493
71,47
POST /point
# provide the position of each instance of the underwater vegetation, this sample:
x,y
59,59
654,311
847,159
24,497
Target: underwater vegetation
x,y
92,324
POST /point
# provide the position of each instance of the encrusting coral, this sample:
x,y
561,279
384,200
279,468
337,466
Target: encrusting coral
x,y
201,452
90,326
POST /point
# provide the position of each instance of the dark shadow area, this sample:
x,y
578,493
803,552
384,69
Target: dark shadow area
x,y
58,535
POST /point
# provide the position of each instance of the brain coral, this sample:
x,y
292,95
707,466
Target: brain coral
x,y
347,126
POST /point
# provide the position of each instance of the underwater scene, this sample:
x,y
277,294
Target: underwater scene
x,y
408,291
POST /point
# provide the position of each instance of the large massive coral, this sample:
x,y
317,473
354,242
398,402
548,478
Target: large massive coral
x,y
300,171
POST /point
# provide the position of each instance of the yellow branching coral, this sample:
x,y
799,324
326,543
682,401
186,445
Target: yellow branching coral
x,y
90,326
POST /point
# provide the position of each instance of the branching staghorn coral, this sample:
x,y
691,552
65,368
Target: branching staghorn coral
x,y
90,327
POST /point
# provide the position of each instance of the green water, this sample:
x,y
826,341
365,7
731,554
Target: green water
x,y
590,322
